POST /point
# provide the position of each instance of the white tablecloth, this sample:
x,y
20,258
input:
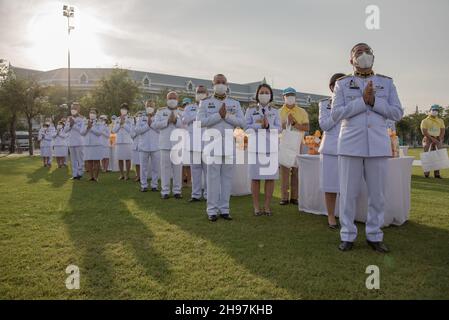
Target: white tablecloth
x,y
241,183
113,162
397,190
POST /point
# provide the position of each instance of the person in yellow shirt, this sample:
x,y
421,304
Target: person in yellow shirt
x,y
433,130
298,118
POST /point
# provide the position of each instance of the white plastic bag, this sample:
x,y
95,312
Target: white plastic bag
x,y
290,147
434,160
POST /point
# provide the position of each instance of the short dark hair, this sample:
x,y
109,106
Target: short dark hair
x,y
359,44
219,75
124,106
334,78
94,110
264,85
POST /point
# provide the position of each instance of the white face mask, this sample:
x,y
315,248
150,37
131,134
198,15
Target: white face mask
x,y
290,100
149,110
172,103
220,89
92,116
364,61
434,113
74,112
59,126
200,96
264,98
123,112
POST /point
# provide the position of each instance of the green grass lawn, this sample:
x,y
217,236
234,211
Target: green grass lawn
x,y
132,245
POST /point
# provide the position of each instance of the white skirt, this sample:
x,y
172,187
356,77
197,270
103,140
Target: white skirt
x,y
329,181
135,157
61,151
45,151
106,152
255,169
124,151
93,153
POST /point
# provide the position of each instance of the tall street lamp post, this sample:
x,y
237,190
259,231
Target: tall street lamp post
x,y
68,12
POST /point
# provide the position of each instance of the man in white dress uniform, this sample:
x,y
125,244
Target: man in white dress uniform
x,y
148,148
194,147
221,113
166,120
363,102
73,127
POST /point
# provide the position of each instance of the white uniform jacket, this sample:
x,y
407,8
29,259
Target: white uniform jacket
x,y
210,118
363,130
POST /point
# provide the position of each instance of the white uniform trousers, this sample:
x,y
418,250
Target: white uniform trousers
x,y
352,170
219,185
169,170
144,159
197,172
77,160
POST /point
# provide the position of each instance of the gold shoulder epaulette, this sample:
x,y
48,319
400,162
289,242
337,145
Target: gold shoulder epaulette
x,y
381,75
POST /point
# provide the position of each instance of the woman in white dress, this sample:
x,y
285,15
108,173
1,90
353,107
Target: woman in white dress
x,y
329,182
263,117
135,155
124,143
60,146
93,148
45,136
105,143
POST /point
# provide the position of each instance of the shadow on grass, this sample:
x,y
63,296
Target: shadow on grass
x,y
104,232
299,253
431,184
56,176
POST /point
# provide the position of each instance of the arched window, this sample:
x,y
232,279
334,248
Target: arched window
x,y
146,82
84,79
190,87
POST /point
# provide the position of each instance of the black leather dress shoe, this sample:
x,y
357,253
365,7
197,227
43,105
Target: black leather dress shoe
x,y
378,246
144,190
165,197
178,196
194,200
226,216
345,246
294,201
284,202
154,190
212,218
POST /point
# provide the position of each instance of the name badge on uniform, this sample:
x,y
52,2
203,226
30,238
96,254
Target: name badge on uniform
x,y
211,106
232,110
353,85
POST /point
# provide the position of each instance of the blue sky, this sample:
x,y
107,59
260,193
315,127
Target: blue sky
x,y
291,43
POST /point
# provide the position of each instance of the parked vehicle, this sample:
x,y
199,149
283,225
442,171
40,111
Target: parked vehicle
x,y
22,141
